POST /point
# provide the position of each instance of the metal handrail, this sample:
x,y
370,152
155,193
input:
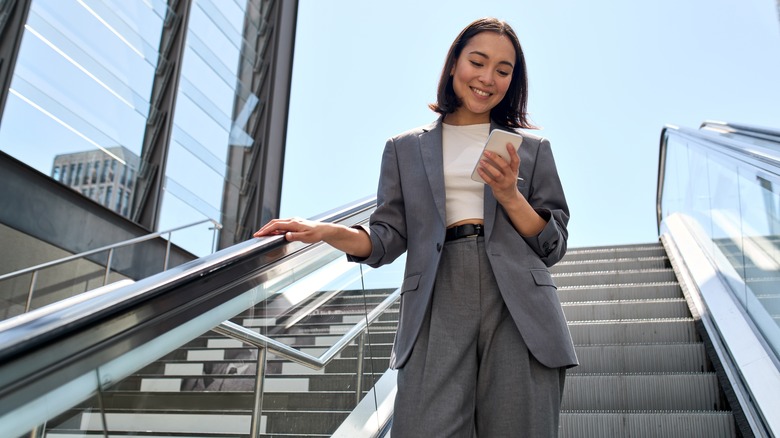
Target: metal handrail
x,y
265,344
110,248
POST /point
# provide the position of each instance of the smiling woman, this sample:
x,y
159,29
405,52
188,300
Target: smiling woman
x,y
482,345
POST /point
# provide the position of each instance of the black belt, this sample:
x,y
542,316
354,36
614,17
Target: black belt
x,y
465,230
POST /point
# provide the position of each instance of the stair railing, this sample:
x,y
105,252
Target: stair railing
x,y
265,344
110,249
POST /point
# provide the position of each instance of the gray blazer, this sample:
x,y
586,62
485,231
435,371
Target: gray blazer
x,y
410,217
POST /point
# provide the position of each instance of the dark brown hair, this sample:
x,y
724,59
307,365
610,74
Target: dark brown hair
x,y
511,111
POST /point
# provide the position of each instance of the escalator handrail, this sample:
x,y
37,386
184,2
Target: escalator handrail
x,y
738,128
28,331
727,146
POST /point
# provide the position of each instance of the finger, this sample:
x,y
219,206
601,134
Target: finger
x,y
486,174
268,230
514,158
500,169
265,229
274,227
301,236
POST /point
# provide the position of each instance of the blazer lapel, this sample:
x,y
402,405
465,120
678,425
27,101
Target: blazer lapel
x,y
431,150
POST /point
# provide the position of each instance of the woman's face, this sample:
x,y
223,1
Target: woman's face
x,y
481,77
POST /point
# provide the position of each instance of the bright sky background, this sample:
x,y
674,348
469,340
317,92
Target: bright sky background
x,y
605,77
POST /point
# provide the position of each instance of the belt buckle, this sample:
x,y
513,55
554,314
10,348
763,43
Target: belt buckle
x,y
476,229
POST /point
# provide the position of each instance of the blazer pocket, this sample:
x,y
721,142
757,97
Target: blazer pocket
x,y
410,283
542,277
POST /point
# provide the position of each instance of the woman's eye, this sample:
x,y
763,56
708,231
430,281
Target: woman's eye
x,y
476,64
503,73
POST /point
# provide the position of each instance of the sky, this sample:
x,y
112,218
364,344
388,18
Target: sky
x,y
605,76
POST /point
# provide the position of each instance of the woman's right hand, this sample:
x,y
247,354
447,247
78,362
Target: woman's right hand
x,y
350,240
295,229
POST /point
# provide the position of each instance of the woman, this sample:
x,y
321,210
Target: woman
x,y
482,343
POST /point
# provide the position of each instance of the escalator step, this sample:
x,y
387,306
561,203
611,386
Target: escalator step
x,y
660,358
647,425
619,292
626,309
602,253
621,264
615,277
642,392
661,331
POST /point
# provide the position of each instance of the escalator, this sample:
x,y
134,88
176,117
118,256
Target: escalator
x,y
178,353
269,338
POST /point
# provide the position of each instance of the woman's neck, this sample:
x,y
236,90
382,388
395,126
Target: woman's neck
x,y
457,118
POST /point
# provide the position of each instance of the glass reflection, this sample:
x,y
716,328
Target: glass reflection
x,y
82,89
79,97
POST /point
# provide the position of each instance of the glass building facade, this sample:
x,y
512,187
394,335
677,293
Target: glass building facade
x,y
171,98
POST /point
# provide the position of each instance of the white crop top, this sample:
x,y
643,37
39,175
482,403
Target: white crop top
x,y
462,146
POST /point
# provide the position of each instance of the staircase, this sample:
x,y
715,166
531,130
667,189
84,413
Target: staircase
x,y
643,368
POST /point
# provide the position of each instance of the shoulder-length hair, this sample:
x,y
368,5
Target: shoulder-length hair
x,y
511,111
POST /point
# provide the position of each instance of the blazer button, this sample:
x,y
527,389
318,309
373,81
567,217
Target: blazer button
x,y
545,246
438,247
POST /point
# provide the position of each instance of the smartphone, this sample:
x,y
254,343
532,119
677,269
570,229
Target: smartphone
x,y
496,143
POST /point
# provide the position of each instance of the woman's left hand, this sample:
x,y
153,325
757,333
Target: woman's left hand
x,y
500,175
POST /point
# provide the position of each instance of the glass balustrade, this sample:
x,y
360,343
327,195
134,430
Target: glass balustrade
x,y
727,192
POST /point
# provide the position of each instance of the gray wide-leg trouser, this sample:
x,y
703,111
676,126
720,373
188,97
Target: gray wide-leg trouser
x,y
470,373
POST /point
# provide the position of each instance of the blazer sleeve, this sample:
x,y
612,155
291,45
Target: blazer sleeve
x,y
547,198
387,225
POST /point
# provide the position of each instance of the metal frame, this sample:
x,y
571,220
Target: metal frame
x,y
13,17
159,124
264,343
110,248
258,171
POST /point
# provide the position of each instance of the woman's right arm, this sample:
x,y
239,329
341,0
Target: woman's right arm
x,y
353,241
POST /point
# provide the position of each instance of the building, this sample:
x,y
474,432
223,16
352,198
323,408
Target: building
x,y
104,176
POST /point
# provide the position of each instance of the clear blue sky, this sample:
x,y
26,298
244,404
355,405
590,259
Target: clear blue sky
x,y
605,76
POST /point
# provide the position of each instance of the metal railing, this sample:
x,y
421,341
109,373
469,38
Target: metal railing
x,y
110,248
265,344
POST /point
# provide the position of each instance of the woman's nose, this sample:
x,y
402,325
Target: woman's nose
x,y
487,78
